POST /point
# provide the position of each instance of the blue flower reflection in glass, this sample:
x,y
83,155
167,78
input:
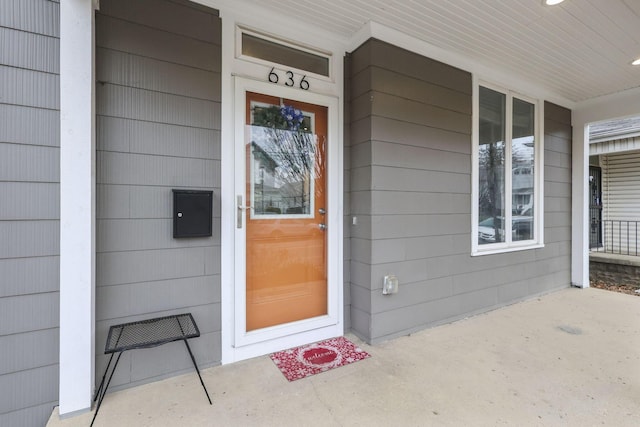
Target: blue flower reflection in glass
x,y
293,116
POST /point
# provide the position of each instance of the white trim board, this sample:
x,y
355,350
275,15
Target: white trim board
x,y
77,206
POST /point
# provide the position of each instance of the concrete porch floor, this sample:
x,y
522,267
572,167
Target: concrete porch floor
x,y
570,358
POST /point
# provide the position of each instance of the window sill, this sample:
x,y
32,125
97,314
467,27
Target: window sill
x,y
492,251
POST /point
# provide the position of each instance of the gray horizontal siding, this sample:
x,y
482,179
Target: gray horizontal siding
x,y
142,137
192,21
555,144
20,163
158,128
416,248
411,157
116,268
125,69
408,203
131,37
29,210
36,415
156,296
558,114
37,386
408,110
29,201
137,202
29,51
402,132
30,275
135,169
411,191
139,104
390,226
557,189
557,174
29,88
16,350
34,16
557,186
376,53
27,313
141,234
21,239
415,180
29,126
391,83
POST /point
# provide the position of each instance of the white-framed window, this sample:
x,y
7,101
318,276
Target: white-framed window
x,y
263,49
507,171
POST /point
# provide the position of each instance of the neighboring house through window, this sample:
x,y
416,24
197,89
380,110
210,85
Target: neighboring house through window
x,y
507,174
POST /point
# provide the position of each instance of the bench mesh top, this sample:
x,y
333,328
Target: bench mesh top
x,y
151,333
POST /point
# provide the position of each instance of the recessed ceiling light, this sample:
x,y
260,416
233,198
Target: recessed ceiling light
x,y
552,2
636,62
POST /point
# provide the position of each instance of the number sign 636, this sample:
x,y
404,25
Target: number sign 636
x,y
289,80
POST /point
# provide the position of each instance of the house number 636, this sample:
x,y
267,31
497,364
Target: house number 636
x,y
289,80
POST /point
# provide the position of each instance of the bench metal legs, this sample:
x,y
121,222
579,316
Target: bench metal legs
x,y
102,391
193,359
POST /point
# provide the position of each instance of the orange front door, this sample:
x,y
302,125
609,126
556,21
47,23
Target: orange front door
x,y
286,267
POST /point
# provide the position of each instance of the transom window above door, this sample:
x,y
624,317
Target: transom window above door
x,y
268,50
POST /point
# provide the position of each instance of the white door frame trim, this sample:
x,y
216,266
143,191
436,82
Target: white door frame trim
x,y
330,325
233,68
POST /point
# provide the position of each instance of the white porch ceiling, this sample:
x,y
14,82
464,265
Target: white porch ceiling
x,y
578,50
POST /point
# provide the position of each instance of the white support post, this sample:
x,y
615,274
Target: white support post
x,y
615,106
77,206
579,207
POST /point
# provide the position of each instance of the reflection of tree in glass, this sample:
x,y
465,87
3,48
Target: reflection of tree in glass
x,y
491,159
282,117
282,140
492,192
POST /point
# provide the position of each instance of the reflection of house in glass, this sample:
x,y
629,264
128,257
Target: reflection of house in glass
x,y
282,171
522,199
522,176
492,190
522,191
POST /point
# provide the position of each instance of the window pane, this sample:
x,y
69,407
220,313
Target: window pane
x,y
273,52
522,172
283,161
491,167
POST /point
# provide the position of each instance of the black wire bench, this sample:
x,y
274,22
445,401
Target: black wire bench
x,y
146,334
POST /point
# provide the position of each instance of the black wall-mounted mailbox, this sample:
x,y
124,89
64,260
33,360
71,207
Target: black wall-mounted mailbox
x,y
192,212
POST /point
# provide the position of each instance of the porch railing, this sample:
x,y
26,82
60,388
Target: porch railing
x,y
616,237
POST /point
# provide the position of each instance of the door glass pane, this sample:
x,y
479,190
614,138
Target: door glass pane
x,y
491,158
522,172
283,159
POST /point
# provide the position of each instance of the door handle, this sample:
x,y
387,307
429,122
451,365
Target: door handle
x,y
241,208
322,227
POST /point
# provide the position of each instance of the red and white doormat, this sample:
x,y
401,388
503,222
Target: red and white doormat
x,y
301,362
